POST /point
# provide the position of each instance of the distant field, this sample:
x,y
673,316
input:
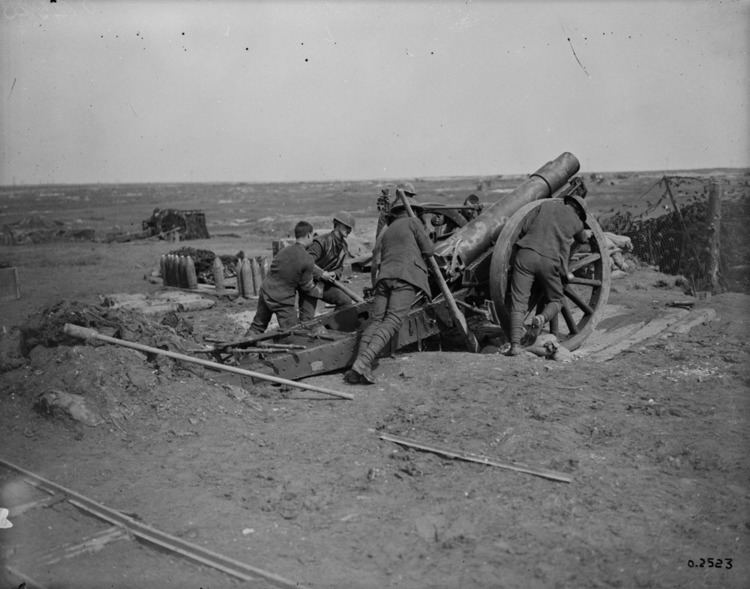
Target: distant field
x,y
239,206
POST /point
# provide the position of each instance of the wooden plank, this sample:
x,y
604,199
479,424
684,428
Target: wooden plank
x,y
151,535
515,466
44,502
604,338
88,333
88,545
650,329
684,325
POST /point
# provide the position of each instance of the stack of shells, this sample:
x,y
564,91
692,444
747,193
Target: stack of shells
x,y
178,271
251,272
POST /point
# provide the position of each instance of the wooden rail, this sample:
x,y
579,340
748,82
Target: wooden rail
x,y
146,533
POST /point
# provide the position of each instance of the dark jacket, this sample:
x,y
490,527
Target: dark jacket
x,y
328,252
549,230
398,253
291,269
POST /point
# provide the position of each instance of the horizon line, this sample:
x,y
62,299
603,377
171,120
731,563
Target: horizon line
x,y
379,180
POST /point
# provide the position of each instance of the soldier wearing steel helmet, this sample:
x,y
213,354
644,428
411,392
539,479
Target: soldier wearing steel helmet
x,y
328,252
541,256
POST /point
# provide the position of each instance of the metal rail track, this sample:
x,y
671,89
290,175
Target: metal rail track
x,y
123,527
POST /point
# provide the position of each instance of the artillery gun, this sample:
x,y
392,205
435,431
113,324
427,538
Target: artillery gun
x,y
474,259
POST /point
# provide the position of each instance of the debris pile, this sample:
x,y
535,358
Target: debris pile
x,y
45,328
164,223
36,229
94,383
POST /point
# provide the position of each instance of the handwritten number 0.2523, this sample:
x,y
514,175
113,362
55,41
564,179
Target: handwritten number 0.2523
x,y
711,563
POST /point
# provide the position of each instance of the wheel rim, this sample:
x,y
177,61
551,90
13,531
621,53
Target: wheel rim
x,y
585,294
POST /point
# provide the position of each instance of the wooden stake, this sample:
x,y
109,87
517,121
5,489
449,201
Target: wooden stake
x,y
89,333
713,229
540,472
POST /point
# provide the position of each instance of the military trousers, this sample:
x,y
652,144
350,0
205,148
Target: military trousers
x,y
392,302
285,314
530,267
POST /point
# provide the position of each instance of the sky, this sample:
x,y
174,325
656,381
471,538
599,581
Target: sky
x,y
253,91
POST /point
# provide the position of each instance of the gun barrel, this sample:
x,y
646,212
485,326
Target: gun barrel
x,y
474,238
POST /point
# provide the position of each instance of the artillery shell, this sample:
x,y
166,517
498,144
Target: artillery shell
x,y
218,271
246,278
190,277
255,271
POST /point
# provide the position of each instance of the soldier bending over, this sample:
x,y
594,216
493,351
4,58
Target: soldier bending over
x,y
398,274
542,254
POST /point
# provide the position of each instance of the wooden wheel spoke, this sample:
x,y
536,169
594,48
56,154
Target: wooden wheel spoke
x,y
584,281
583,262
568,316
580,303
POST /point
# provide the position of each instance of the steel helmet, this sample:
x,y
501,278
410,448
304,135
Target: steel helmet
x,y
408,188
472,199
577,203
345,219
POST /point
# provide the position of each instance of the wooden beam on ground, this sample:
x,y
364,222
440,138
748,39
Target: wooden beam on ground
x,y
88,333
515,466
684,325
146,533
650,329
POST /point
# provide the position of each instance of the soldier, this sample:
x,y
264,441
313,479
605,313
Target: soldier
x,y
328,252
384,207
471,201
542,254
399,273
384,204
291,270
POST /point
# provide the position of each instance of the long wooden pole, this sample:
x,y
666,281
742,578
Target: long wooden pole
x,y
471,341
540,472
89,333
347,291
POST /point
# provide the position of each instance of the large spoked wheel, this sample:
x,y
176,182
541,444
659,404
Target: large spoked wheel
x,y
586,292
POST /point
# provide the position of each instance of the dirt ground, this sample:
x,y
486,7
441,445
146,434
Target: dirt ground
x,y
655,442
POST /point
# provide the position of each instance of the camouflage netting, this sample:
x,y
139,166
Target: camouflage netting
x,y
46,327
677,239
